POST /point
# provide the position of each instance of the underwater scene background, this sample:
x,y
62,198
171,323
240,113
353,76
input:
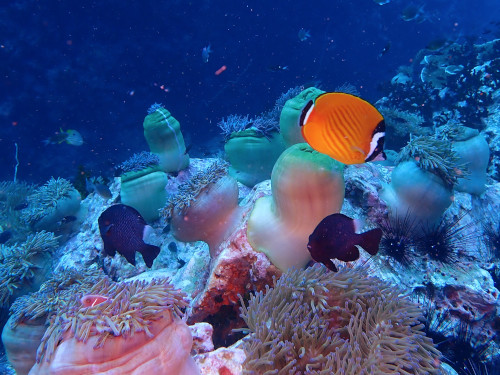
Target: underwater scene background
x,y
201,187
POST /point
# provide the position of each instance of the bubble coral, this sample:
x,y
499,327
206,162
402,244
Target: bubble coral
x,y
306,187
136,329
320,322
163,134
50,203
206,208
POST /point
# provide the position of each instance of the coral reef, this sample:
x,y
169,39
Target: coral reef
x,y
25,266
345,322
50,203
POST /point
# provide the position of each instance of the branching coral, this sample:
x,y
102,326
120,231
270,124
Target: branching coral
x,y
139,162
23,267
319,322
435,156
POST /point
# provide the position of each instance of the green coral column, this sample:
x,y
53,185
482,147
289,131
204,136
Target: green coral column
x,y
163,134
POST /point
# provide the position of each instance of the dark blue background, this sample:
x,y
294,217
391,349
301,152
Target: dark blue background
x,y
76,64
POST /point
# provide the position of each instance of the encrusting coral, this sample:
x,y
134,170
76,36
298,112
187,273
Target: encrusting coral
x,y
205,208
50,203
320,322
23,267
126,328
306,187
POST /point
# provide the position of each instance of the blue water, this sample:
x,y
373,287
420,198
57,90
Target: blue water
x,y
97,67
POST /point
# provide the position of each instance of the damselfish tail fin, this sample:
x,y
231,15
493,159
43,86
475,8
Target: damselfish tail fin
x,y
149,254
370,240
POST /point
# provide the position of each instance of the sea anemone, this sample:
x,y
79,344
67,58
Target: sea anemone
x,y
135,329
206,208
252,155
289,118
435,156
163,134
26,326
306,187
50,203
321,322
25,266
417,191
139,161
145,191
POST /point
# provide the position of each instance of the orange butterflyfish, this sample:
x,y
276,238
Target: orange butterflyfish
x,y
344,127
91,300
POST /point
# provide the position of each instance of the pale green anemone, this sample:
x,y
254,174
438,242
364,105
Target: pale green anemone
x,y
290,115
163,134
145,191
306,187
473,151
421,194
252,156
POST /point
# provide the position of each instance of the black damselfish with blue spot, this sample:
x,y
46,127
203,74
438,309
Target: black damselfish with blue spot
x,y
122,230
335,237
